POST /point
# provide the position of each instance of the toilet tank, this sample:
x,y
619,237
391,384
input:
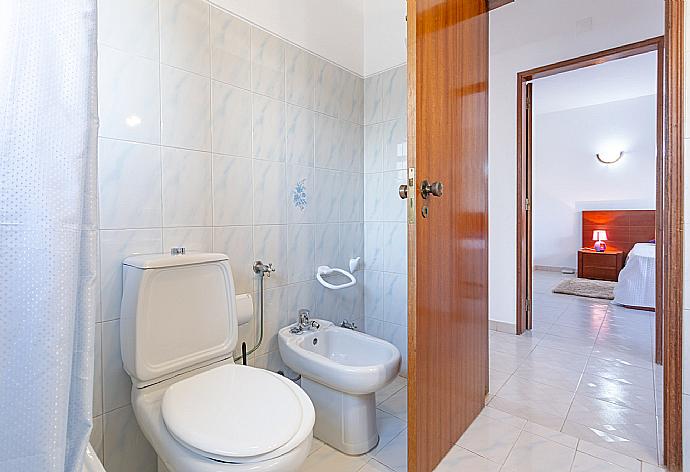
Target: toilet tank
x,y
177,313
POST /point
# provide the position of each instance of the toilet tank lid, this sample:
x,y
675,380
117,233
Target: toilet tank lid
x,y
159,261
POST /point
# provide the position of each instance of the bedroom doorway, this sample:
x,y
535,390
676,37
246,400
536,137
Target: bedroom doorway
x,y
525,198
638,227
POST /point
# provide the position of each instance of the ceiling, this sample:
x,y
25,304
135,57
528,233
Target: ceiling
x,y
623,79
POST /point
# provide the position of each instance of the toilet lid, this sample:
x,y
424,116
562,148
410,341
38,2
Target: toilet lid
x,y
233,412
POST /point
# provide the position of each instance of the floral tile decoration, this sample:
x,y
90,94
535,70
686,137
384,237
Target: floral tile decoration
x,y
299,195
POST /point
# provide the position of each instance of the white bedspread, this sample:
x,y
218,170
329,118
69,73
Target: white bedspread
x,y
637,281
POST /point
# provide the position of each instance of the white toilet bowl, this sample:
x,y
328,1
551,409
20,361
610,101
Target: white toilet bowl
x,y
204,423
341,369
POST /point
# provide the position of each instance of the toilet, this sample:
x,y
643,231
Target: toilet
x,y
199,410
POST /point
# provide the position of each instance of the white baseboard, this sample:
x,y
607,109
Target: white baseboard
x,y
502,327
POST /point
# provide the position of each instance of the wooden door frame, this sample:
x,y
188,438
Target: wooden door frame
x,y
673,217
524,157
670,210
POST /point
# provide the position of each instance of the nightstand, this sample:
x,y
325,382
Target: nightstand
x,y
599,265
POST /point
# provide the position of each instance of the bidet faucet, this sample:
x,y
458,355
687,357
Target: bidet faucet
x,y
348,325
303,323
303,319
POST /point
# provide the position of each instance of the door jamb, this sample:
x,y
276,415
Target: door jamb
x,y
670,49
524,164
412,236
673,216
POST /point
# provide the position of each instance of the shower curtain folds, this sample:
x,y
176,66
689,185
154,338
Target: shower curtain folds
x,y
48,232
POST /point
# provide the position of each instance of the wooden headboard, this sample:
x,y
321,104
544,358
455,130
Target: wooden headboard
x,y
624,228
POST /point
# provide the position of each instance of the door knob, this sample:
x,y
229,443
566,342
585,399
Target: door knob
x,y
435,189
402,191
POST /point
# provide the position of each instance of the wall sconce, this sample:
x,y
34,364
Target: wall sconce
x,y
609,157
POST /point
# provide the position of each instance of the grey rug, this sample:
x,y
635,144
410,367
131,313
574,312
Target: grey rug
x,y
586,288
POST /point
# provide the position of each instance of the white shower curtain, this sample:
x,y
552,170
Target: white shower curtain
x,y
48,232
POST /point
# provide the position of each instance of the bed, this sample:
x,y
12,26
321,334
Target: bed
x,y
633,232
636,286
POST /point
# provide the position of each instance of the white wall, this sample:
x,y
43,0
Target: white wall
x,y
524,35
333,29
385,30
385,226
364,36
208,129
568,178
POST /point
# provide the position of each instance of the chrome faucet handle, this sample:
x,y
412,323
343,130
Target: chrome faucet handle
x,y
348,325
303,318
315,324
263,269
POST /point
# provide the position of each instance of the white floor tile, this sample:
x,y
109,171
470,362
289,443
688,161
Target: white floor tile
x,y
551,434
652,468
587,463
490,438
621,460
512,420
503,362
529,410
375,466
316,444
461,460
604,438
394,454
396,404
393,387
389,428
536,454
549,374
496,380
328,459
618,393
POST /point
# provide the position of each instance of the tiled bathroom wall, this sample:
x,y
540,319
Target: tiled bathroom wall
x,y
218,136
385,229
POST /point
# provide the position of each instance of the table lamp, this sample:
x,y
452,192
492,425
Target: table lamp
x,y
600,238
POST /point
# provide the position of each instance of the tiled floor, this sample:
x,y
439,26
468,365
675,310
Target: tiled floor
x,y
579,393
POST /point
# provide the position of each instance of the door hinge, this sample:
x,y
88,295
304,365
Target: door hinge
x,y
528,305
528,205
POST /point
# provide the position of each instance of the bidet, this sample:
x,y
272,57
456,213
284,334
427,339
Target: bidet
x,y
341,370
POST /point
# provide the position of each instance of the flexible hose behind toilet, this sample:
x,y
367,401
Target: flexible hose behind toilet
x,y
260,269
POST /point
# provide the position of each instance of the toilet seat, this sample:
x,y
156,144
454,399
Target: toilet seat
x,y
237,414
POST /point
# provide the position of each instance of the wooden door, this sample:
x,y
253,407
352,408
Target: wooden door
x,y
448,249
